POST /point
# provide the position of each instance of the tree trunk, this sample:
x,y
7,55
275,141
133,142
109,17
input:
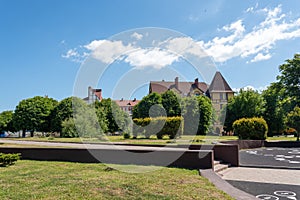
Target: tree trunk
x,y
31,133
23,133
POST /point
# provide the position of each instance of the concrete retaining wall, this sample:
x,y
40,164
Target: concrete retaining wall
x,y
191,159
225,152
251,144
228,153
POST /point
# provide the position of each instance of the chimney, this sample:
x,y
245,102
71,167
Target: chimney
x,y
196,82
176,82
90,91
134,99
122,99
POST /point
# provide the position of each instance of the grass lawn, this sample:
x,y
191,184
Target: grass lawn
x,y
64,180
281,138
199,139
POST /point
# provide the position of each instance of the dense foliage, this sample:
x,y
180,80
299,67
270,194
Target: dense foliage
x,y
33,114
60,113
149,106
6,121
290,79
293,120
160,126
8,159
196,111
246,104
197,114
251,128
117,120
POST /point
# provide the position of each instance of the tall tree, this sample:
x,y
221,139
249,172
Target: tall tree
x,y
83,123
171,103
116,118
274,108
197,114
33,114
246,104
6,121
61,112
290,78
293,120
149,105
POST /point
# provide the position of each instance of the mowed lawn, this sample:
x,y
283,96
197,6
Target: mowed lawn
x,y
65,180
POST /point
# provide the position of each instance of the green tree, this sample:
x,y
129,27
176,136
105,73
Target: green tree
x,y
293,120
61,112
290,78
116,118
33,114
171,103
197,114
150,104
6,121
246,104
274,108
83,123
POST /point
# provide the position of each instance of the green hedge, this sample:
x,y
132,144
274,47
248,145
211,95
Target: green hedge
x,y
251,128
8,159
171,126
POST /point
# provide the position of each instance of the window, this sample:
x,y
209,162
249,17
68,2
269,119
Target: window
x,y
221,96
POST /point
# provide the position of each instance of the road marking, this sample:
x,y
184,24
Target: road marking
x,y
267,197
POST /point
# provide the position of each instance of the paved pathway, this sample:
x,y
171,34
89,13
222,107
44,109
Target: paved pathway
x,y
269,182
85,146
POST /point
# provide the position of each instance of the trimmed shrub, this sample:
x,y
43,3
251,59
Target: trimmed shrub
x,y
126,135
159,126
251,128
8,159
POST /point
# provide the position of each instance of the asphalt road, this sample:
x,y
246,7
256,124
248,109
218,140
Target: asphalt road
x,y
271,158
268,191
267,173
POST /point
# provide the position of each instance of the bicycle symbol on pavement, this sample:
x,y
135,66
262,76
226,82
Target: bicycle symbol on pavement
x,y
278,195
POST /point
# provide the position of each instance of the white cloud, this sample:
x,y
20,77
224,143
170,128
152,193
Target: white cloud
x,y
259,40
137,36
250,87
184,45
260,57
107,51
74,55
237,41
155,58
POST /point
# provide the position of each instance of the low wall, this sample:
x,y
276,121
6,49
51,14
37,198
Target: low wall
x,y
246,144
251,144
284,144
226,152
191,159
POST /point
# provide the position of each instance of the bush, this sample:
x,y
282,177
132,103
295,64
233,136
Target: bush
x,y
69,129
8,159
251,128
126,135
159,126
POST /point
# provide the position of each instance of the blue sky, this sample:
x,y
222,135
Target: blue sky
x,y
43,44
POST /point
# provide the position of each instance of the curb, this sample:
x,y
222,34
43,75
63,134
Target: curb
x,y
269,167
225,186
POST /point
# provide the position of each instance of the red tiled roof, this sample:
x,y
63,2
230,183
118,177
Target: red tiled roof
x,y
123,103
183,87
